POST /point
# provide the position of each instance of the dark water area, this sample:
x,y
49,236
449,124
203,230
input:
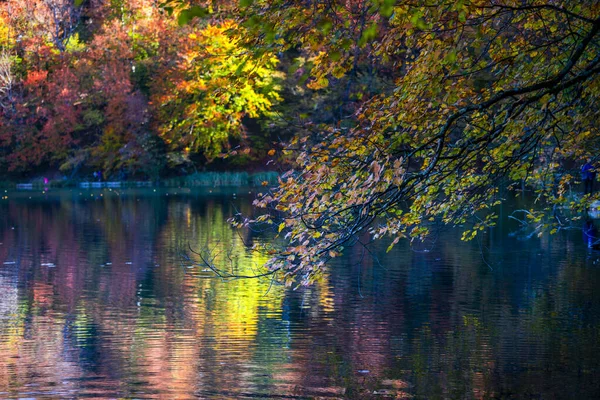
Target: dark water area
x,y
96,301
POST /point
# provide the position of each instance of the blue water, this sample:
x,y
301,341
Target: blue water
x,y
97,300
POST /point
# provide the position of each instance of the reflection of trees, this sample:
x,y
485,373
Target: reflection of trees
x,y
226,315
501,332
116,299
113,307
454,328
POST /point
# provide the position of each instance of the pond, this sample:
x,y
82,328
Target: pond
x,y
97,301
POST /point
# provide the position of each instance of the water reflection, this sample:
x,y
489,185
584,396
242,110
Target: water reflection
x,y
96,302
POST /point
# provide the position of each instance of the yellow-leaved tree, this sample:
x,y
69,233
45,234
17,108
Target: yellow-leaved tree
x,y
214,84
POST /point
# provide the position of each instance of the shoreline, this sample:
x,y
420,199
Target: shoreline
x,y
197,179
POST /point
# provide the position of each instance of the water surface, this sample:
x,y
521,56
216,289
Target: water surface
x,y
96,301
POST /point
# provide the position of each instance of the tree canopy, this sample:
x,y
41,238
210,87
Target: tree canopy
x,y
125,87
477,95
216,83
391,114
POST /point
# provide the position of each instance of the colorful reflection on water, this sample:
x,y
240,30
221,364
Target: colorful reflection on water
x,y
97,301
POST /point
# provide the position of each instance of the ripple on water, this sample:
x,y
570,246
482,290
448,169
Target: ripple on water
x,y
96,301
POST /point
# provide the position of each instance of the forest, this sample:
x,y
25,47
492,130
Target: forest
x,y
127,89
379,115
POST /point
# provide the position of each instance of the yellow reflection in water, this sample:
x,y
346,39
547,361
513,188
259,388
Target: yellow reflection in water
x,y
125,304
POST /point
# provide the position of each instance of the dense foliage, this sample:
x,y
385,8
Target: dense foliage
x,y
399,113
121,87
472,96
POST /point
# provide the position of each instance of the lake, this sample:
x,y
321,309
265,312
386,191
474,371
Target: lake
x,y
97,300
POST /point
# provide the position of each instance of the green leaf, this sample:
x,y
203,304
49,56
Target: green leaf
x,y
386,11
240,68
187,15
303,78
369,34
417,21
335,55
451,57
422,24
325,25
346,44
387,8
246,3
270,32
391,246
254,21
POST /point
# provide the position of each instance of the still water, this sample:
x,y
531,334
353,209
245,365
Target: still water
x,y
96,301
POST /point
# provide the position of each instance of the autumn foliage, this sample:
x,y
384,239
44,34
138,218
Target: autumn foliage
x,y
394,115
212,86
470,98
122,87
